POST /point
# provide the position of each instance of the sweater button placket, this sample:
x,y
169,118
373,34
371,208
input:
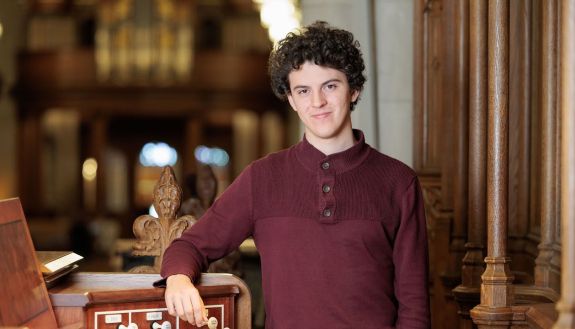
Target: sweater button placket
x,y
326,183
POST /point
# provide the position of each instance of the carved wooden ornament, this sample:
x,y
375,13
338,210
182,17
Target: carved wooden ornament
x,y
153,234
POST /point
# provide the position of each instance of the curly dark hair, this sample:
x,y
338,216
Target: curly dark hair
x,y
321,44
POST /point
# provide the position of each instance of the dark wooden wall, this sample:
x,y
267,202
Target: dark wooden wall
x,y
488,150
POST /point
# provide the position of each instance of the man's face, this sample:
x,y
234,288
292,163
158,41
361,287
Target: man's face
x,y
321,97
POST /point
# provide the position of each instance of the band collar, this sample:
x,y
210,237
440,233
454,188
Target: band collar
x,y
313,159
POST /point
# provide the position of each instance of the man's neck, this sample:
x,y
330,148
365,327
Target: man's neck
x,y
334,145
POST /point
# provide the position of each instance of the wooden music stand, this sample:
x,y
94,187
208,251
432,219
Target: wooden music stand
x,y
25,301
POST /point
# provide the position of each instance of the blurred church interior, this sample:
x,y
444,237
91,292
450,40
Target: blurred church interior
x,y
97,96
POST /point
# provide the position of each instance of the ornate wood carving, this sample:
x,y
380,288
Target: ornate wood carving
x,y
439,221
153,234
203,188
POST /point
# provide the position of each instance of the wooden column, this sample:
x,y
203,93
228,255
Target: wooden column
x,y
447,124
520,77
566,305
496,288
467,294
461,117
549,170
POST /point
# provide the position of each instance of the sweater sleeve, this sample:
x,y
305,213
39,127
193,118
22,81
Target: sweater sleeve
x,y
410,257
226,224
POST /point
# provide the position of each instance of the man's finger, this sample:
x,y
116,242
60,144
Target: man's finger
x,y
199,311
181,311
170,306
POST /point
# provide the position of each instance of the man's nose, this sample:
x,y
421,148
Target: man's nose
x,y
318,99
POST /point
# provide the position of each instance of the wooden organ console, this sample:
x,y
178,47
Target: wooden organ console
x,y
128,301
110,300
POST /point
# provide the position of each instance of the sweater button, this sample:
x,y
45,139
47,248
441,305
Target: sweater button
x,y
325,165
326,188
326,212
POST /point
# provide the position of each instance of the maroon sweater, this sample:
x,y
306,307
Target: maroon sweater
x,y
342,238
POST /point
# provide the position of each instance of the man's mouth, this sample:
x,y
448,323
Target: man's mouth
x,y
321,115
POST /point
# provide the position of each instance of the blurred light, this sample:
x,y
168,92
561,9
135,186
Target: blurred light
x,y
278,16
282,27
152,211
272,10
158,155
1,30
212,156
220,157
89,169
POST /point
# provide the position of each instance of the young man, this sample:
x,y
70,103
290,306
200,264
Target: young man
x,y
340,228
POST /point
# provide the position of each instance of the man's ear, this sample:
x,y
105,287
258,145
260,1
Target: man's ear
x,y
354,95
291,102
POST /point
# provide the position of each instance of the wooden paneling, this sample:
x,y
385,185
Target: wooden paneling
x,y
428,72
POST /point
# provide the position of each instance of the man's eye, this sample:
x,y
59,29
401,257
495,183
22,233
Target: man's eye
x,y
331,86
302,91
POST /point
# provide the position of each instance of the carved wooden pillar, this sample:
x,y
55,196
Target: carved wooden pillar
x,y
467,294
519,247
496,288
566,305
549,170
461,110
448,62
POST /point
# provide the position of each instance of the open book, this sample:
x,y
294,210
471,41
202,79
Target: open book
x,y
56,264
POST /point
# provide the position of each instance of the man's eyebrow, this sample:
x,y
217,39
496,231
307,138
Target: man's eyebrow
x,y
323,83
330,81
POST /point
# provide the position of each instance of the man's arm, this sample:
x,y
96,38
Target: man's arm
x,y
410,257
219,231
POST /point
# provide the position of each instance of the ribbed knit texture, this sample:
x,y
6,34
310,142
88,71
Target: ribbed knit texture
x,y
342,238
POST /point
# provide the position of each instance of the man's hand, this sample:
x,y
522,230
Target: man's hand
x,y
183,300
